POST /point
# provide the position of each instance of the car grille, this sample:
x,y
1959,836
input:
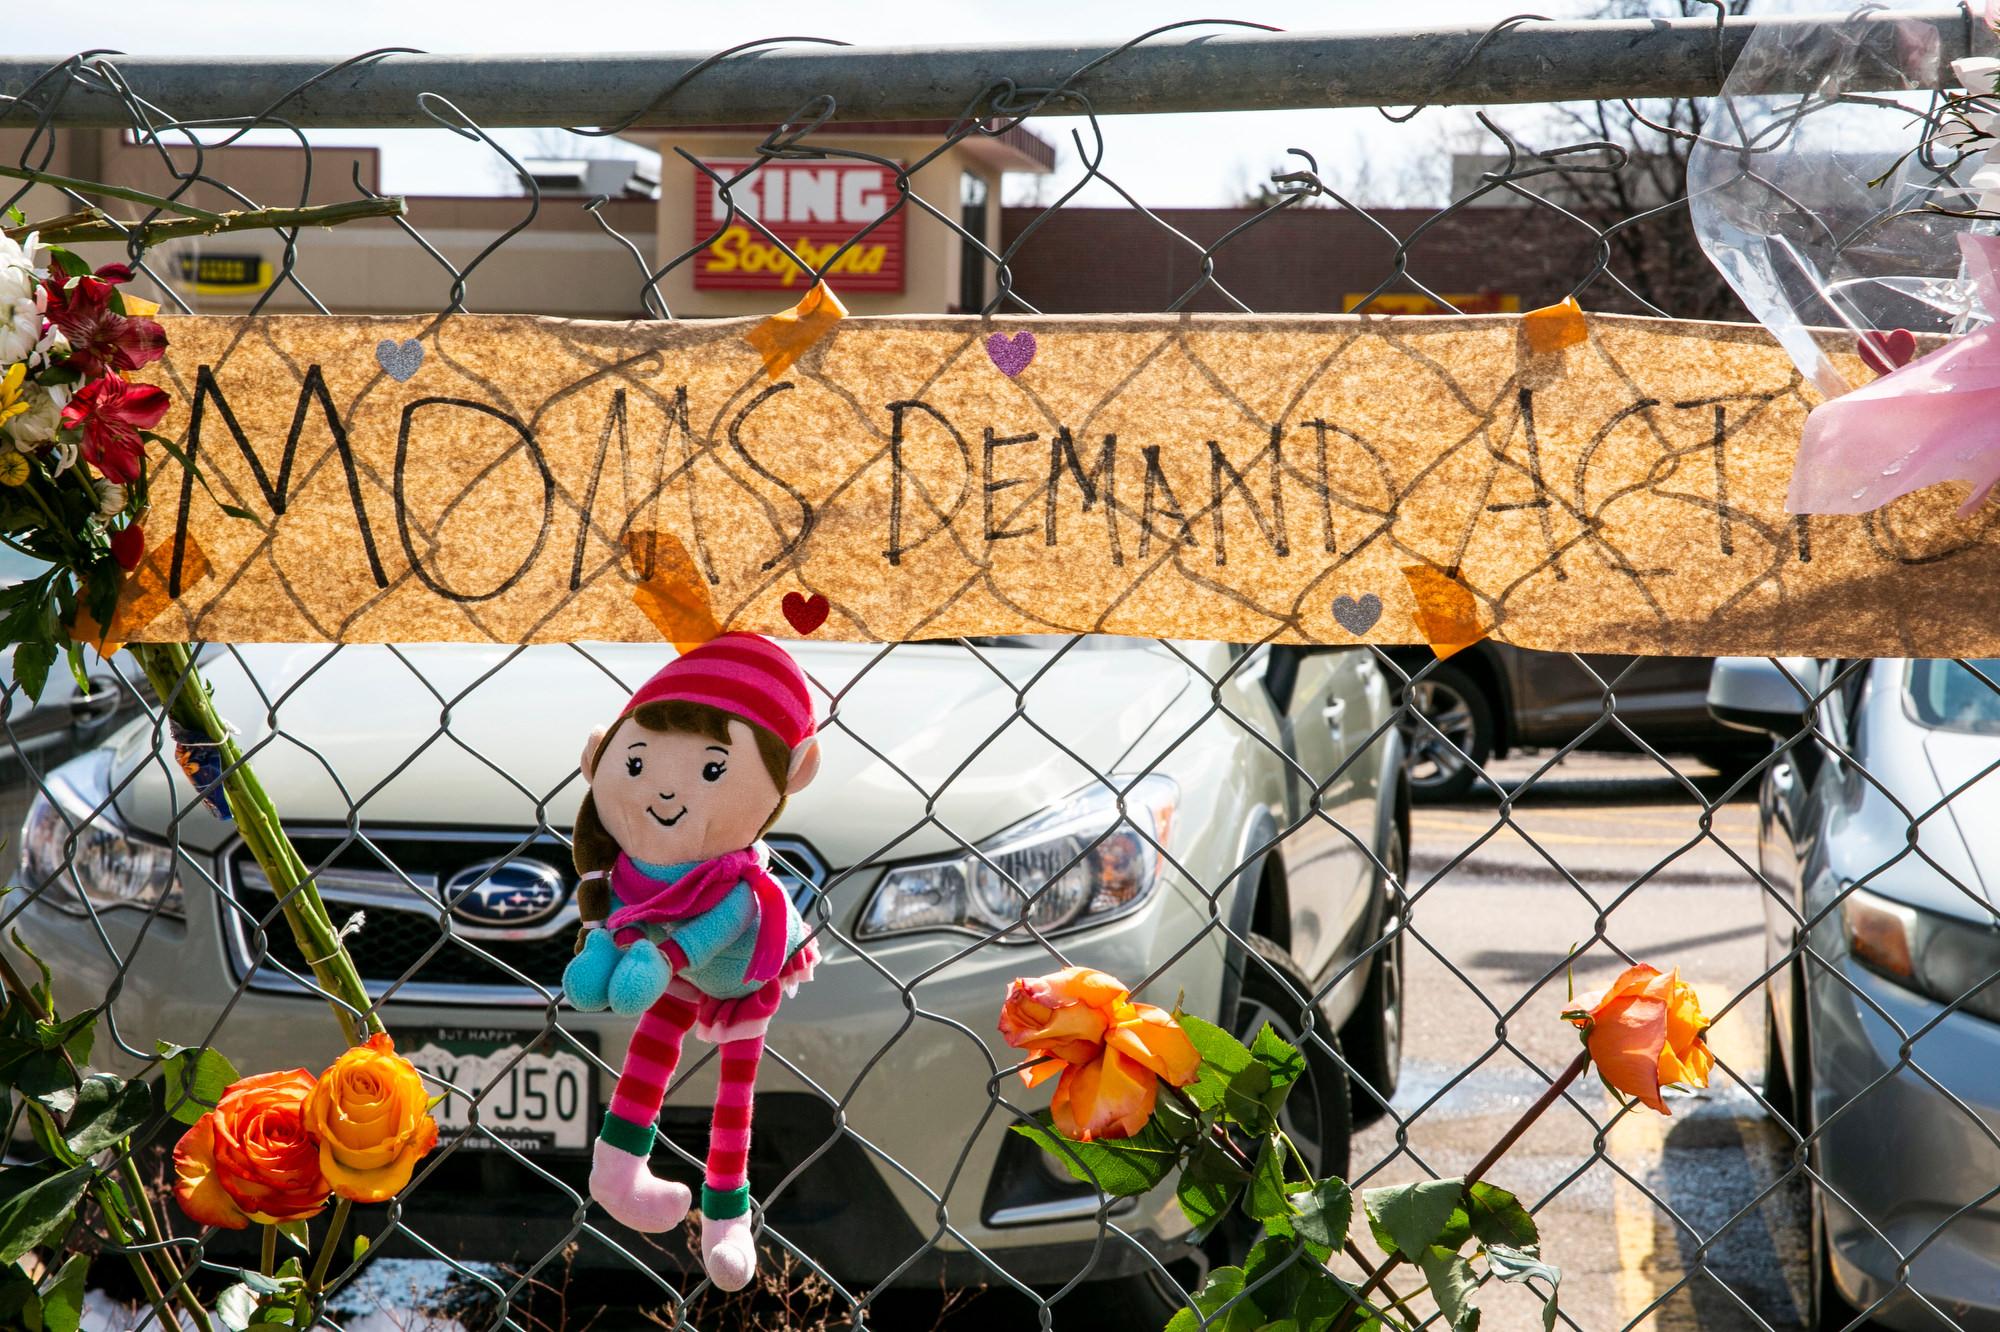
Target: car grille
x,y
408,939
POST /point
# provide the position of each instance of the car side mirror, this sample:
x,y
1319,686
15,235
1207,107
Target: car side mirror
x,y
1759,694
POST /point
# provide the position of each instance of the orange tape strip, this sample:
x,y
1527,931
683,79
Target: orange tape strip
x,y
142,596
1447,613
671,590
784,337
1554,327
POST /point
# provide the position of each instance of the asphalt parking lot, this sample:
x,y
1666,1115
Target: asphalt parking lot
x,y
1672,1223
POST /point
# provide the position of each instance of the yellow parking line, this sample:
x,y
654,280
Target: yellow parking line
x,y
1622,817
1639,1141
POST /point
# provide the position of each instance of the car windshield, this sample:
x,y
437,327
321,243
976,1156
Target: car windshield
x,y
1957,695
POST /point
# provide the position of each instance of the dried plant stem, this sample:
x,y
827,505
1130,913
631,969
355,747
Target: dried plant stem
x,y
184,694
124,192
92,224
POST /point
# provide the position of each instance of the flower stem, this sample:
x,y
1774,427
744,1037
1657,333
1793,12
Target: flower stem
x,y
112,1200
317,1281
171,669
1485,1163
267,1258
99,187
1375,1277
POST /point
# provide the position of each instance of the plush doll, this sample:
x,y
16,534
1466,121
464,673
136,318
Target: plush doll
x,y
683,923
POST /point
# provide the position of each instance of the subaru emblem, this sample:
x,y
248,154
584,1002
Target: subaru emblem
x,y
505,893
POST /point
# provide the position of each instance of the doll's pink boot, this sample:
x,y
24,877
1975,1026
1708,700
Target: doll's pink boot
x,y
728,1250
634,1196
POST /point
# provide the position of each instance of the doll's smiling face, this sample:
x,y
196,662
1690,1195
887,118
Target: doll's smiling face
x,y
667,797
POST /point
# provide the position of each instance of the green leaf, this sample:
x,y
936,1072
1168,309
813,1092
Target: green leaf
x,y
195,1079
260,1284
1130,1165
1222,1058
1209,1183
1278,1055
1232,1080
62,1301
36,1206
41,990
1410,1217
1268,1198
32,660
1323,1213
20,1302
74,652
1452,1283
1286,1281
107,1109
174,451
1526,1265
296,1232
236,1307
1497,1217
360,1247
1223,1285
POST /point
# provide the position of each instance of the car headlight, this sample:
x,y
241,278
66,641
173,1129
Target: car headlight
x,y
1076,863
1938,956
74,850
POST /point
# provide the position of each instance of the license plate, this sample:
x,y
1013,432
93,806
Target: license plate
x,y
540,1100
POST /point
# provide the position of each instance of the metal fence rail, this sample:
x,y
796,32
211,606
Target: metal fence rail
x,y
883,1169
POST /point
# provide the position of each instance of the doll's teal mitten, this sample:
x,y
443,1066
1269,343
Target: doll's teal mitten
x,y
640,978
587,978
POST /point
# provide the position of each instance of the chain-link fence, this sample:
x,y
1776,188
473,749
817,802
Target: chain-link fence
x,y
1402,864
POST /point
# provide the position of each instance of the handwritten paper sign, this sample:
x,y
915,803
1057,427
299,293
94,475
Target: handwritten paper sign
x,y
514,479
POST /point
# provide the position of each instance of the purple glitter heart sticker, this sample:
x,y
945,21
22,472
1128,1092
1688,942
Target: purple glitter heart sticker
x,y
1010,356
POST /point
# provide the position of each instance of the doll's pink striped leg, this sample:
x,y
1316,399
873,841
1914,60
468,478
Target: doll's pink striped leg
x,y
619,1177
728,1250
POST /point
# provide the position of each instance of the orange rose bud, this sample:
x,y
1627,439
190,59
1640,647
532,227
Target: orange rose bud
x,y
1109,1097
372,1118
250,1158
1645,1033
1110,1052
1150,1037
1063,1016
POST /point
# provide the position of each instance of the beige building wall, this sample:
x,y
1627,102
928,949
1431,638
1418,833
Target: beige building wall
x,y
562,262
932,250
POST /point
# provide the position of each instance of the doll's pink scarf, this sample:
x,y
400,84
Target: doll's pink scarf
x,y
702,889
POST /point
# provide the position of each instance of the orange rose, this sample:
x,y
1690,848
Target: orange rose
x,y
1109,1051
1644,1033
371,1115
1061,1016
250,1158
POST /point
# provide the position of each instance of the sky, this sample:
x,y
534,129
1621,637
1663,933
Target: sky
x,y
1165,160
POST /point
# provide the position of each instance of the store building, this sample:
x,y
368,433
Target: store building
x,y
602,228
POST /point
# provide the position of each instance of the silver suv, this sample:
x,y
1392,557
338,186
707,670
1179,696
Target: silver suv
x,y
431,787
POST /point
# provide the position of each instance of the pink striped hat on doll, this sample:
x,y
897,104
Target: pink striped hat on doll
x,y
744,675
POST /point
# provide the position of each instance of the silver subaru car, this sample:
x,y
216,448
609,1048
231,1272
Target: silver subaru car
x,y
1879,844
1227,827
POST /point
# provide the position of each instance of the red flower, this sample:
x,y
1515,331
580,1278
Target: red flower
x,y
128,547
112,413
100,339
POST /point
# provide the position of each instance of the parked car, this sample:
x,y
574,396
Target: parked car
x,y
1879,836
37,735
1490,698
441,813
